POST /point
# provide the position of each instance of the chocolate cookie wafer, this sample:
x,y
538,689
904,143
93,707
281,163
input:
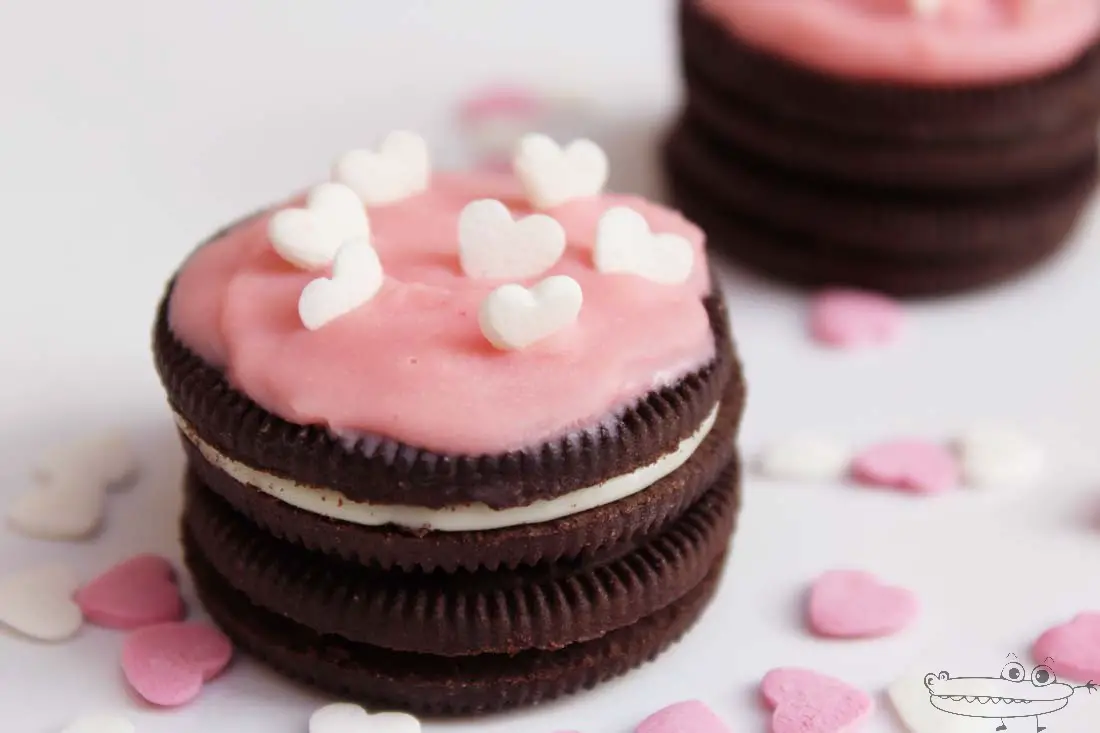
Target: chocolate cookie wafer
x,y
453,686
812,263
547,606
849,158
876,220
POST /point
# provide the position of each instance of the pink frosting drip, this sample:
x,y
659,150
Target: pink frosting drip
x,y
967,42
412,364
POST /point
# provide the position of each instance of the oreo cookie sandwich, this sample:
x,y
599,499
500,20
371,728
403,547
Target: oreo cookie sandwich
x,y
455,442
919,148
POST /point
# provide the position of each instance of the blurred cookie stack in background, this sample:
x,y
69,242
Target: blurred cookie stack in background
x,y
917,148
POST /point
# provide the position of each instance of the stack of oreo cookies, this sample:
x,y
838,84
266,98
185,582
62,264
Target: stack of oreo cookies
x,y
532,574
914,189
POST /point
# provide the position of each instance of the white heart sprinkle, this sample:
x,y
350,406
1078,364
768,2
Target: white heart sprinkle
x,y
514,317
309,238
356,277
805,458
106,459
493,245
400,168
38,603
100,723
926,8
999,455
348,718
68,508
625,244
552,175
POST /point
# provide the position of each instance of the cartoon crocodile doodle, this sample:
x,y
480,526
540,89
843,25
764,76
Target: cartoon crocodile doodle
x,y
1012,695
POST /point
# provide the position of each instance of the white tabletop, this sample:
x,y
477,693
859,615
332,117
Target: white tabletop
x,y
130,130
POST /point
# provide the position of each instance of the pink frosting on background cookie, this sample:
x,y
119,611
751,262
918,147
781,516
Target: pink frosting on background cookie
x,y
966,42
412,364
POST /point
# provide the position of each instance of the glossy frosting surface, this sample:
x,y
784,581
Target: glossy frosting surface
x,y
965,42
412,364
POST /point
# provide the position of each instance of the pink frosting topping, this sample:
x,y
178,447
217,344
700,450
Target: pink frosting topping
x,y
963,42
412,364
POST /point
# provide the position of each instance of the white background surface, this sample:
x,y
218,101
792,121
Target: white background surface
x,y
130,130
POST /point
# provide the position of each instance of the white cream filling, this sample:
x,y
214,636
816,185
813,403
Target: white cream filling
x,y
459,518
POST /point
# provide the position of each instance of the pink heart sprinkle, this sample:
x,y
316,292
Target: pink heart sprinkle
x,y
808,702
168,664
494,103
910,465
849,604
1073,647
691,716
853,318
138,592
